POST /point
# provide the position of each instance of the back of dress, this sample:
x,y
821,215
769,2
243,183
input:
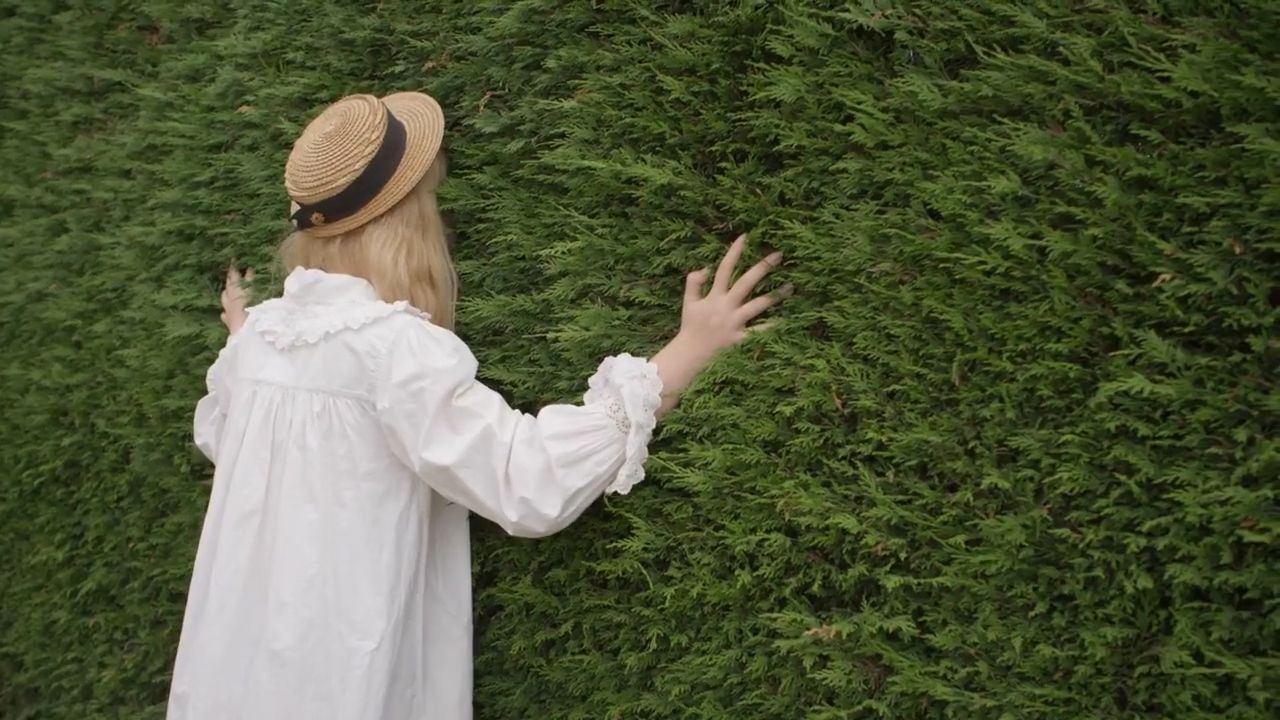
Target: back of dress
x,y
323,557
351,438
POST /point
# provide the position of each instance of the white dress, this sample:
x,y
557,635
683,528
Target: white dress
x,y
350,439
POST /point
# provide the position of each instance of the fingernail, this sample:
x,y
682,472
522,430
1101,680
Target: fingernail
x,y
787,290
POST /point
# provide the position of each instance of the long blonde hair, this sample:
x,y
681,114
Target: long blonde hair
x,y
404,252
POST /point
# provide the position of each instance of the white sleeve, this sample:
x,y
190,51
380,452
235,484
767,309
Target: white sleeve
x,y
532,475
211,410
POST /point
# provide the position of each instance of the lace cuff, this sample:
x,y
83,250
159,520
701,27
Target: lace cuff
x,y
630,391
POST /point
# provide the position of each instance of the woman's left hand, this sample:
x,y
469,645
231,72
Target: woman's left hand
x,y
233,299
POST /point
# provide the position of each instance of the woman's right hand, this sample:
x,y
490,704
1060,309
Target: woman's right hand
x,y
713,320
234,301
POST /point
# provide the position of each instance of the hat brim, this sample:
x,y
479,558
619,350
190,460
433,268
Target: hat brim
x,y
424,133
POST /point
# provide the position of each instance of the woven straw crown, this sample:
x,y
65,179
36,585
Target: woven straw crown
x,y
337,147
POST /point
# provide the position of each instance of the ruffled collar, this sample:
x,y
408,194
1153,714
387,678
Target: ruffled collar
x,y
308,285
317,304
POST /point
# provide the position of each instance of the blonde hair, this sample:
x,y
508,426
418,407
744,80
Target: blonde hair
x,y
403,253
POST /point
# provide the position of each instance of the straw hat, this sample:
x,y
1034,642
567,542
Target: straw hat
x,y
359,158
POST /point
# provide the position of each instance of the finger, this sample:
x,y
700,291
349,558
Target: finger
x,y
693,285
751,278
248,275
750,311
233,275
761,327
730,261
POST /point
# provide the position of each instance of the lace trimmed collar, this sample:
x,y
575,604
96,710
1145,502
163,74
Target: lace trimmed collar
x,y
307,285
317,304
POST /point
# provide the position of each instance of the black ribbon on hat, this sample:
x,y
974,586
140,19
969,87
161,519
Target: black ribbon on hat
x,y
364,188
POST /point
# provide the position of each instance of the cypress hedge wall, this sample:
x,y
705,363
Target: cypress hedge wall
x,y
1010,452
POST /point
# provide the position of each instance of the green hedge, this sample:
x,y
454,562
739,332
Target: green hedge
x,y
1011,452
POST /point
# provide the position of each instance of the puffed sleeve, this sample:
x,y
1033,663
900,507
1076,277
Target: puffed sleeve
x,y
211,410
532,475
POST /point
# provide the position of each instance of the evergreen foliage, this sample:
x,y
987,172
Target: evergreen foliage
x,y
1011,452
